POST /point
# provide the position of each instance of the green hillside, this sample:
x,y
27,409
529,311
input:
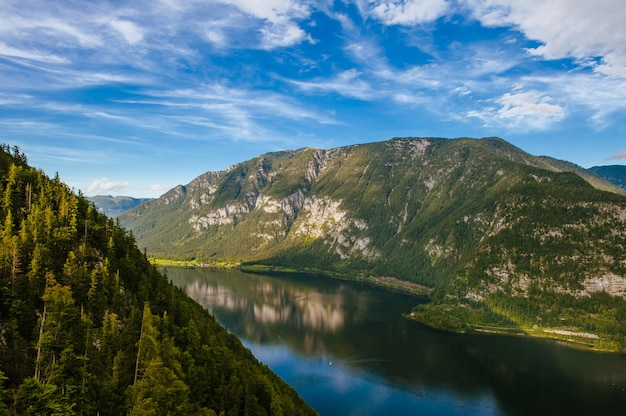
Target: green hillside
x,y
88,326
503,238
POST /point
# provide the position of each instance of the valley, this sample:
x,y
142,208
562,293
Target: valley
x,y
500,238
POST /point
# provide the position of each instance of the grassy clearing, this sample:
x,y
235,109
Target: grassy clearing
x,y
192,264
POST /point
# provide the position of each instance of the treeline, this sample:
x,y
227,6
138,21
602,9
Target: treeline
x,y
89,326
599,314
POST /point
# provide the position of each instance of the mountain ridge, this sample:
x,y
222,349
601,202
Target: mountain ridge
x,y
429,211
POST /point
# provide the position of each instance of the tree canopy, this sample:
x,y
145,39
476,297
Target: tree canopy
x,y
89,326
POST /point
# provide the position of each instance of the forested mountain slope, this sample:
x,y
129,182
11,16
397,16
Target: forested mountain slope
x,y
89,326
476,220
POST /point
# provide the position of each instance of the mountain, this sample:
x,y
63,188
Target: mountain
x,y
112,206
500,238
89,326
616,174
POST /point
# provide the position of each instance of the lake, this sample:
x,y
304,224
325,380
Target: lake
x,y
346,349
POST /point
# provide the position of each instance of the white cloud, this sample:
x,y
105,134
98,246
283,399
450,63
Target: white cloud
x,y
347,83
106,185
159,187
531,103
130,31
594,96
216,36
15,99
60,155
407,12
275,11
578,29
280,17
462,91
218,111
223,89
411,99
283,35
530,110
32,55
232,103
63,29
41,23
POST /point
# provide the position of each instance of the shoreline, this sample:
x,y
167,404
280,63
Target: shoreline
x,y
564,336
387,282
568,338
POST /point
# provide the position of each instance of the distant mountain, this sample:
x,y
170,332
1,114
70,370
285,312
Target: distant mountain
x,y
616,174
502,238
112,206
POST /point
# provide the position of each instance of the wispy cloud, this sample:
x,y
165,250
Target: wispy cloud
x,y
566,29
30,54
159,187
280,27
129,30
618,156
48,25
592,96
65,154
347,83
526,110
404,12
95,83
105,185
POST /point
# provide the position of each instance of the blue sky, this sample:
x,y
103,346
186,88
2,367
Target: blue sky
x,y
133,98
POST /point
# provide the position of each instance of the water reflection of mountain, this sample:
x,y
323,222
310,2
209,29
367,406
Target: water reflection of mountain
x,y
293,306
306,315
360,328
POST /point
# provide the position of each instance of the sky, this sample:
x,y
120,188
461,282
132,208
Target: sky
x,y
134,98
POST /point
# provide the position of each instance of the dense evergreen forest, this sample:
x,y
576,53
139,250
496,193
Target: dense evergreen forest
x,y
89,326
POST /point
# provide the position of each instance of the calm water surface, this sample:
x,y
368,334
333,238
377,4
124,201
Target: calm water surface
x,y
347,351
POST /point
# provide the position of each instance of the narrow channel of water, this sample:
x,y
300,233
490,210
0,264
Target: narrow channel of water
x,y
347,351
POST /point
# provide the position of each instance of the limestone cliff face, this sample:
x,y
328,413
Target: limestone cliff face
x,y
474,216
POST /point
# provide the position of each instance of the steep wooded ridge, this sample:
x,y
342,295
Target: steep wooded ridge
x,y
505,239
88,326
